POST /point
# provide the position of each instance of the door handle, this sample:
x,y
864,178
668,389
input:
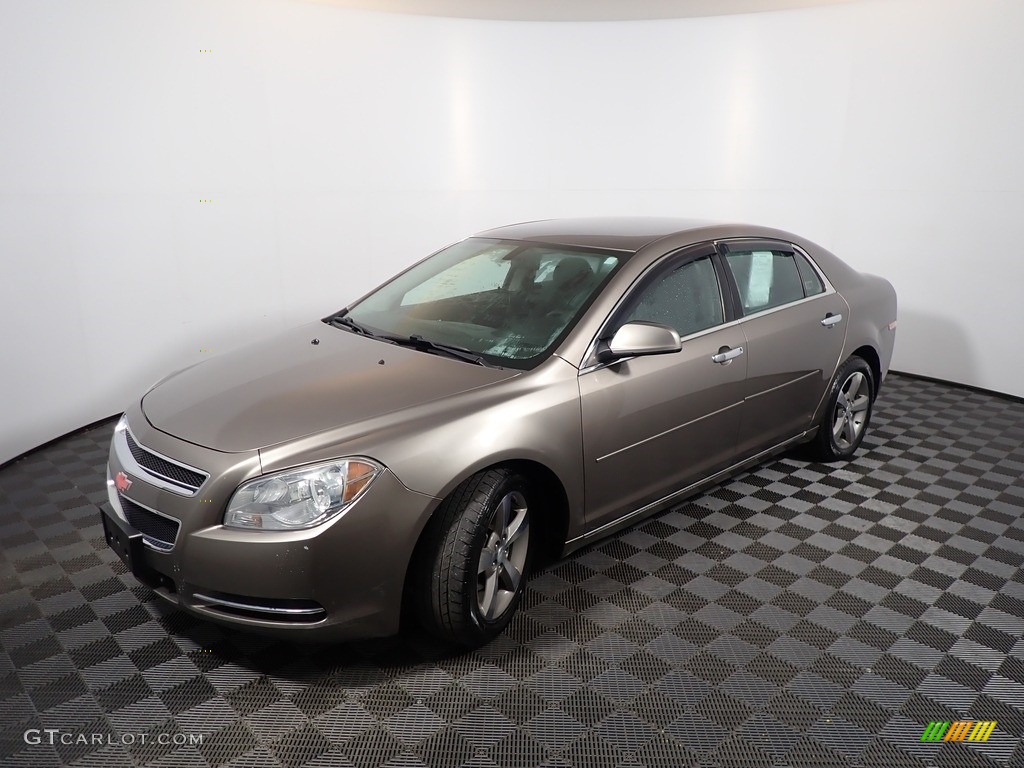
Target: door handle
x,y
829,320
725,355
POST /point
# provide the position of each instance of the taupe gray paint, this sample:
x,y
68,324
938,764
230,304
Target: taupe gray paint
x,y
611,439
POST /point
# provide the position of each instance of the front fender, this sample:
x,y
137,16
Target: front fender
x,y
433,447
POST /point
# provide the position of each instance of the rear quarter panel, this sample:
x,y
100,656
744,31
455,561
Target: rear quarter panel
x,y
872,307
872,303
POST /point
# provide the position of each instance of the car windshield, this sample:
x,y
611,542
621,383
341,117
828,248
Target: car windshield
x,y
508,302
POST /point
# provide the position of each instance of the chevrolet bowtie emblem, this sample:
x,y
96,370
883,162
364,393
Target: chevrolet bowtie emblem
x,y
122,482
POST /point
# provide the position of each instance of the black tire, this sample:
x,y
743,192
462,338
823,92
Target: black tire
x,y
853,377
452,587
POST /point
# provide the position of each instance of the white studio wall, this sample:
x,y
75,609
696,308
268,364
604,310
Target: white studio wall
x,y
179,177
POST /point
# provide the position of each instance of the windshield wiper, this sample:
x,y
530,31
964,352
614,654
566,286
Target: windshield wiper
x,y
343,320
415,341
426,345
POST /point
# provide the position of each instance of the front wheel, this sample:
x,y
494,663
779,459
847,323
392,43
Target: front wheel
x,y
475,557
847,412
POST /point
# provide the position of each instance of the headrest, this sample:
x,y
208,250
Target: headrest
x,y
570,271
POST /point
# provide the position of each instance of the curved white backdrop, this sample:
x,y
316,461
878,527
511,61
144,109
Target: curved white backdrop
x,y
178,177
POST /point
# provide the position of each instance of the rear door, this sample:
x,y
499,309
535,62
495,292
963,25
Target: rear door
x,y
656,423
794,324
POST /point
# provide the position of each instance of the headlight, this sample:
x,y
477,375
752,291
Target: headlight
x,y
300,498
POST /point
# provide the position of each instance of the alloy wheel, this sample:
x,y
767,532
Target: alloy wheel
x,y
503,557
851,410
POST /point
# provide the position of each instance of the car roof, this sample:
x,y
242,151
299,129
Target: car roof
x,y
630,233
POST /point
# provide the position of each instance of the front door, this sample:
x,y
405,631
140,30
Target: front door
x,y
654,424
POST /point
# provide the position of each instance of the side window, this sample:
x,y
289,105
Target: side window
x,y
765,279
809,278
687,298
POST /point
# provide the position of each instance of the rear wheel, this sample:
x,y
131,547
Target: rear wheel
x,y
847,412
475,557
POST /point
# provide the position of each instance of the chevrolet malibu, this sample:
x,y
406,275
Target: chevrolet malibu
x,y
493,407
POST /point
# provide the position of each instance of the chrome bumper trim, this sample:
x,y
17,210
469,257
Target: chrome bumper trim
x,y
256,608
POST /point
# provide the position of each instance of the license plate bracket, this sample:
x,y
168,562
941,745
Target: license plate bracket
x,y
128,544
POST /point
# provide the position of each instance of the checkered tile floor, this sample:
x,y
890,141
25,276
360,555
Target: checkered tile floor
x,y
798,615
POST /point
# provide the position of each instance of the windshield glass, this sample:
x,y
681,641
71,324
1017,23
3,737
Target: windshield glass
x,y
506,301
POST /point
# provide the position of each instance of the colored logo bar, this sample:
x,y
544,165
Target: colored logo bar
x,y
961,730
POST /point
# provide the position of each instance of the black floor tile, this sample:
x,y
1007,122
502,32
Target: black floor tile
x,y
798,615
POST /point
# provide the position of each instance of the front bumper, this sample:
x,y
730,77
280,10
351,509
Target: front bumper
x,y
340,580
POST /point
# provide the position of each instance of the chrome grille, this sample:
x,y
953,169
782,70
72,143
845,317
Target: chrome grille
x,y
157,530
188,479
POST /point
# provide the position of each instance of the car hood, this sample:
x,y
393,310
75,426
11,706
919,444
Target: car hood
x,y
307,380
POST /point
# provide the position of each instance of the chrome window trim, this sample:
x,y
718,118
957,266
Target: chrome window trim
x,y
128,462
772,310
682,340
829,291
786,246
635,286
814,265
705,332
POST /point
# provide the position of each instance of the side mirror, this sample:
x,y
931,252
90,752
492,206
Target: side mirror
x,y
640,338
